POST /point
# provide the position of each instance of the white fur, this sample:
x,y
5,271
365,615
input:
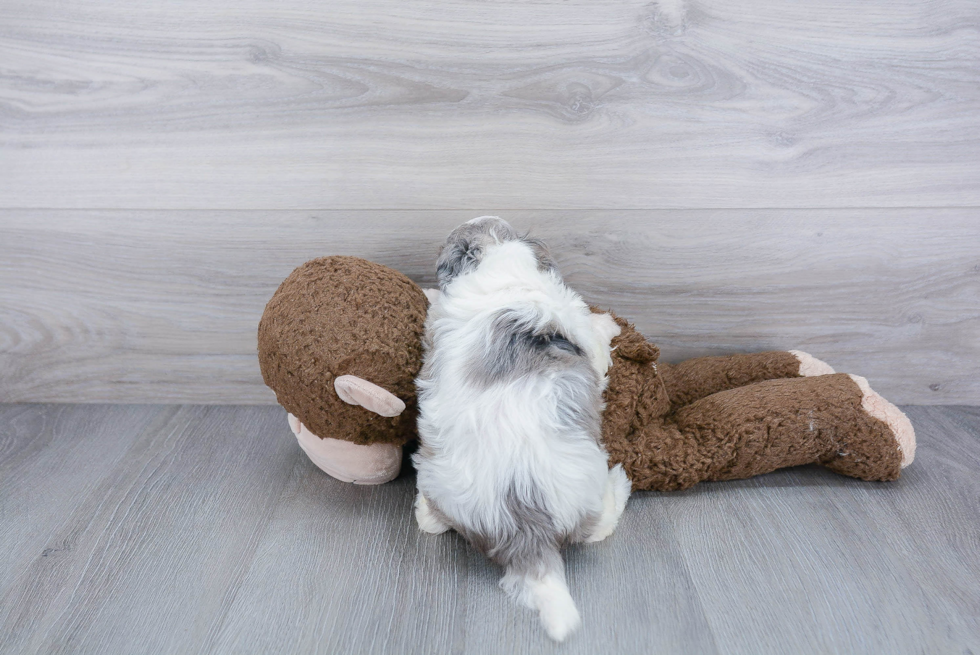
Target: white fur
x,y
428,522
614,499
482,441
550,597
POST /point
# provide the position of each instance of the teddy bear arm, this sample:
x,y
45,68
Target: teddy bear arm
x,y
700,377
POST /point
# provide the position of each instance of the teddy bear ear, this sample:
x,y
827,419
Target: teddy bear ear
x,y
358,391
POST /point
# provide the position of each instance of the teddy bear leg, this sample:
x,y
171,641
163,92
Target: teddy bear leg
x,y
346,461
697,378
828,420
850,461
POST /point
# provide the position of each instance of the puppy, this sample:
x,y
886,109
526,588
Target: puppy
x,y
510,403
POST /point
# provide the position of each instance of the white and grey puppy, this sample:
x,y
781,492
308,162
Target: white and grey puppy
x,y
510,404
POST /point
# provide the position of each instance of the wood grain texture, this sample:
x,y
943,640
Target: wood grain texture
x,y
76,448
464,104
206,530
140,306
855,568
183,507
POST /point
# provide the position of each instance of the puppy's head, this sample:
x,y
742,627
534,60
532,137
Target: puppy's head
x,y
468,244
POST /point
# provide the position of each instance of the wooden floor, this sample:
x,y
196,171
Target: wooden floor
x,y
186,529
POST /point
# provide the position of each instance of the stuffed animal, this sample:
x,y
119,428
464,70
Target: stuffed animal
x,y
724,418
340,344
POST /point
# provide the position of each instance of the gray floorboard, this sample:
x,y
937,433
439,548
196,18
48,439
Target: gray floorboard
x,y
178,529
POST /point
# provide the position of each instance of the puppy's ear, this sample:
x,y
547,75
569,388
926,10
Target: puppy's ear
x,y
460,255
546,262
467,244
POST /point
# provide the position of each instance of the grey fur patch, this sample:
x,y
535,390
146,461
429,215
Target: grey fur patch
x,y
541,252
466,245
514,347
580,409
585,528
528,543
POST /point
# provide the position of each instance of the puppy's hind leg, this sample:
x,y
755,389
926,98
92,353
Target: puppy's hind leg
x,y
428,520
613,503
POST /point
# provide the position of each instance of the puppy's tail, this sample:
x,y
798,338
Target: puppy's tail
x,y
546,592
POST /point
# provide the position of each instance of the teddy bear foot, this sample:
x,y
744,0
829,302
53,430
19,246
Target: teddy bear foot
x,y
891,416
346,461
810,366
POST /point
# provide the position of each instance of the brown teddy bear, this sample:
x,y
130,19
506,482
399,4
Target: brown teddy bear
x,y
340,344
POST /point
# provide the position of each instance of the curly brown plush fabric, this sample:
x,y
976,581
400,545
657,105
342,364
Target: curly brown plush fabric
x,y
671,426
338,316
721,418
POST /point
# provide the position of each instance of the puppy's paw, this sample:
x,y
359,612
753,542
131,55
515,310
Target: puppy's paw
x,y
621,487
614,499
427,519
560,619
604,329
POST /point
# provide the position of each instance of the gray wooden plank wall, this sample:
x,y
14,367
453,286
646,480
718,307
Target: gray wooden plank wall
x,y
732,177
189,529
162,307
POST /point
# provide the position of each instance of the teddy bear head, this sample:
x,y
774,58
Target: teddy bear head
x,y
340,343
